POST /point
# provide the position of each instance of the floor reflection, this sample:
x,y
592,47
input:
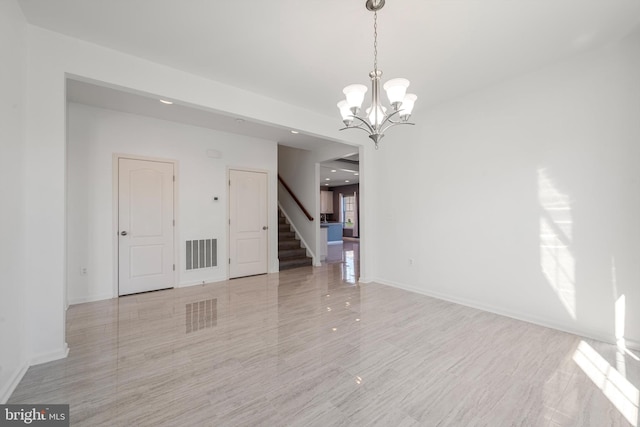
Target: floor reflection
x,y
200,315
348,254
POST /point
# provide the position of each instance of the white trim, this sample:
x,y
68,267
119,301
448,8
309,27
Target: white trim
x,y
10,387
304,244
50,357
507,313
91,298
114,232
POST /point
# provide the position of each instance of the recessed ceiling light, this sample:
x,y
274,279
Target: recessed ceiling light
x,y
327,179
333,170
356,174
164,101
326,184
294,131
346,180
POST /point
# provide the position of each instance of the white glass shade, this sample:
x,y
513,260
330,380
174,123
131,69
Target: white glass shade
x,y
355,95
345,112
376,121
407,105
396,90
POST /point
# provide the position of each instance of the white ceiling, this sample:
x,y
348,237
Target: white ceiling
x,y
305,52
344,171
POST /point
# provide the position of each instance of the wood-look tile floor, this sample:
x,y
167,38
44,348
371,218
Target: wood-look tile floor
x,y
309,347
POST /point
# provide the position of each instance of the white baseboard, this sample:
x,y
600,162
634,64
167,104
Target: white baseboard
x,y
507,313
199,282
50,357
90,298
9,388
633,345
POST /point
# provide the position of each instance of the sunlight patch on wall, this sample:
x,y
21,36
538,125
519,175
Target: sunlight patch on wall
x,y
614,386
556,228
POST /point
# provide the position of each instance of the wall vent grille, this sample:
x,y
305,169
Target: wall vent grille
x,y
201,253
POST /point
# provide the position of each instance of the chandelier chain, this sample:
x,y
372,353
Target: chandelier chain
x,y
375,41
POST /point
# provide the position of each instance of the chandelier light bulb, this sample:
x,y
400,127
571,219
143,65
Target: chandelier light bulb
x,y
355,96
345,112
376,120
396,90
407,106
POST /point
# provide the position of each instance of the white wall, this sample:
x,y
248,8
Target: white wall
x,y
13,361
95,134
523,198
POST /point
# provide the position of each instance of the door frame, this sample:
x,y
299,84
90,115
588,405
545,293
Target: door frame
x,y
115,213
228,219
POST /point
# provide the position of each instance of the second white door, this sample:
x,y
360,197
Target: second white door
x,y
248,229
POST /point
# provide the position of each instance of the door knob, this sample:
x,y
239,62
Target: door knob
x,y
124,233
265,227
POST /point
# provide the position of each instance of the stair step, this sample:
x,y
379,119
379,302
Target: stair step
x,y
284,227
285,254
290,253
295,263
288,244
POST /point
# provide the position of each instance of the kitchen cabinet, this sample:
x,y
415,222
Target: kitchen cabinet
x,y
326,202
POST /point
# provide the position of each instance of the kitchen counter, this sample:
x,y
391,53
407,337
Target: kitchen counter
x,y
334,232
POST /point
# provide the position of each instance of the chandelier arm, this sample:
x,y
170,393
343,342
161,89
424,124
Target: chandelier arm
x,y
364,122
388,118
394,124
356,127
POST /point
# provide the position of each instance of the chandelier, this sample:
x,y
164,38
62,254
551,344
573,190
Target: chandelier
x,y
376,120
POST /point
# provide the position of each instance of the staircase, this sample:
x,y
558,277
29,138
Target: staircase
x,y
290,253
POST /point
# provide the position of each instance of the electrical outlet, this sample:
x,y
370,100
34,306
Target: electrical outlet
x,y
83,271
410,261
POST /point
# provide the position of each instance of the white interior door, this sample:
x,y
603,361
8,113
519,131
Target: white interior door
x,y
248,234
145,226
